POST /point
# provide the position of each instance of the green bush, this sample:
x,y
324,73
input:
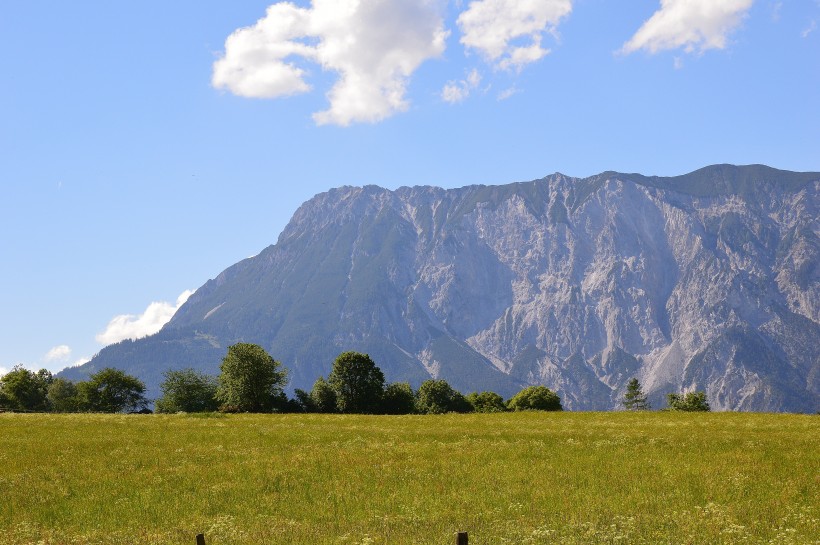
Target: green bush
x,y
690,402
535,398
487,402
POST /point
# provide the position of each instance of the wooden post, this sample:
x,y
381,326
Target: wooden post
x,y
200,539
461,538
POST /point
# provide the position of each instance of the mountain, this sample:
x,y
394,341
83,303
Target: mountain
x,y
705,281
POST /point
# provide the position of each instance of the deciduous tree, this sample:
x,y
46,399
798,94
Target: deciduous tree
x,y
63,396
187,390
357,382
399,399
323,396
112,391
438,397
250,380
26,390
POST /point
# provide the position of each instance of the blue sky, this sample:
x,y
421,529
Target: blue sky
x,y
142,151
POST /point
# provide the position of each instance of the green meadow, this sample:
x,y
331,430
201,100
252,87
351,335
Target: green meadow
x,y
522,478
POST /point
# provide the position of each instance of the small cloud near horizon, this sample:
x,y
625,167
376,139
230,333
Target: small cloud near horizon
x,y
79,362
136,326
58,353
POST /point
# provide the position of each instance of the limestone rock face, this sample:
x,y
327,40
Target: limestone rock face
x,y
707,281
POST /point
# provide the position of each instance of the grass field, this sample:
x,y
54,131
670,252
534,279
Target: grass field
x,y
505,478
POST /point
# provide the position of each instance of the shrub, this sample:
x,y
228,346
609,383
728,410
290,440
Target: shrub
x,y
690,402
487,402
535,398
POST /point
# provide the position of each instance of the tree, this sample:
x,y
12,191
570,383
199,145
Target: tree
x,y
357,382
634,398
187,391
26,390
250,380
535,398
63,396
112,391
438,397
303,401
486,402
399,399
690,402
323,396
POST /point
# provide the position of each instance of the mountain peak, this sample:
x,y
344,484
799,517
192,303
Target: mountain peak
x,y
707,281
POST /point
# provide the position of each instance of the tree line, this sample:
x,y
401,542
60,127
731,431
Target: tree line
x,y
250,380
108,391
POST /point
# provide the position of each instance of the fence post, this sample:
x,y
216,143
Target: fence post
x,y
200,539
461,538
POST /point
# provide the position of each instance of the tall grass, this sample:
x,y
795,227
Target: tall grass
x,y
505,478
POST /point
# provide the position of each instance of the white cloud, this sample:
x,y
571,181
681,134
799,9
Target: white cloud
x,y
456,91
497,27
79,362
689,24
374,46
507,93
811,28
58,353
3,371
130,326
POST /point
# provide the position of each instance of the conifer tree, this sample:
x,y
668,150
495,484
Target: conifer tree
x,y
634,398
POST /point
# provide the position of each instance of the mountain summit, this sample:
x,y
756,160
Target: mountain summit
x,y
706,281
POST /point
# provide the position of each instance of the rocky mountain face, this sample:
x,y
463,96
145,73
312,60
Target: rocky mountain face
x,y
707,281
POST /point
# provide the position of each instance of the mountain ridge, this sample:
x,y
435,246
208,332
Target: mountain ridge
x,y
576,283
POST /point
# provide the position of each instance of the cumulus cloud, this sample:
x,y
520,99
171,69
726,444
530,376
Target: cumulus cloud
x,y
456,91
58,353
496,28
130,326
373,45
3,371
694,25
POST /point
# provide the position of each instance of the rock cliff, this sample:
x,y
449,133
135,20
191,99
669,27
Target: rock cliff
x,y
706,281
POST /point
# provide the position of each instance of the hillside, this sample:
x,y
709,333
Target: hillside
x,y
704,281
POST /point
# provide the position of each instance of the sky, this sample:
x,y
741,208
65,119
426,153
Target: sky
x,y
147,146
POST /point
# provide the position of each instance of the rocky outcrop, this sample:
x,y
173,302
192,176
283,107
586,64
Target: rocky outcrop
x,y
707,281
